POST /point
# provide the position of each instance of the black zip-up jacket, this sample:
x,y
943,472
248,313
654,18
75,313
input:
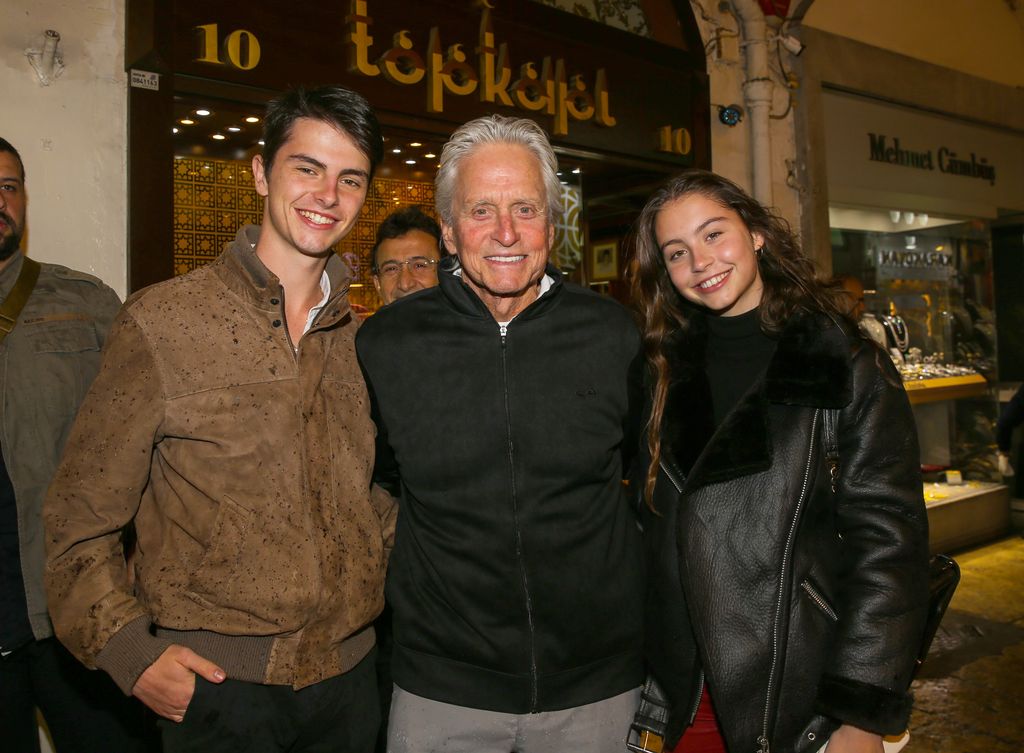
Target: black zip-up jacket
x,y
801,606
516,578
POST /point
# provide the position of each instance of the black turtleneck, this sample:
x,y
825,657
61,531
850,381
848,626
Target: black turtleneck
x,y
737,353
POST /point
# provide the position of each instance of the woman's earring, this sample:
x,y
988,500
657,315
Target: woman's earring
x,y
759,251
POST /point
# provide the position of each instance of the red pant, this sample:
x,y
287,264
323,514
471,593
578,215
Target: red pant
x,y
703,736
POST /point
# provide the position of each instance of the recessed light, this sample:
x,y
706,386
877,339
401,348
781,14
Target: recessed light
x,y
430,155
174,130
252,119
396,150
234,129
577,171
204,113
410,162
415,143
218,137
186,121
260,142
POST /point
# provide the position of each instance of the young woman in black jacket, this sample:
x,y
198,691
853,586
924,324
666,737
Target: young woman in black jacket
x,y
782,503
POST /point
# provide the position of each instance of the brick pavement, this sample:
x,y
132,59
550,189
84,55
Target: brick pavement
x,y
969,697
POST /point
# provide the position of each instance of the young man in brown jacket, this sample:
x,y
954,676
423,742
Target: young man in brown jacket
x,y
230,424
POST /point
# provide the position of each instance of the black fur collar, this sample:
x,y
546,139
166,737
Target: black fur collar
x,y
811,367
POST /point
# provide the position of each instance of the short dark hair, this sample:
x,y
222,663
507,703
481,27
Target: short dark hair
x,y
337,106
402,221
6,146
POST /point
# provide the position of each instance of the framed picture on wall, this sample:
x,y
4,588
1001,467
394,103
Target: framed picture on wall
x,y
604,261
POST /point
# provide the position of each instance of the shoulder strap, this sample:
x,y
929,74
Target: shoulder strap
x,y
15,301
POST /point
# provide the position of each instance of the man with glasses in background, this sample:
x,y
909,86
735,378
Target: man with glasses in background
x,y
406,254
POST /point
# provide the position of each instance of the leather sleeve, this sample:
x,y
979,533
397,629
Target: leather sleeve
x,y
880,515
95,494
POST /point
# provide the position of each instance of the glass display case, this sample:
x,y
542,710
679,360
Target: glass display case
x,y
928,301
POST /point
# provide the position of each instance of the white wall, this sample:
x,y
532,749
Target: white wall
x,y
72,134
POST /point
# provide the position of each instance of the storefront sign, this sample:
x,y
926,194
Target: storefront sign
x,y
541,87
885,155
913,263
884,149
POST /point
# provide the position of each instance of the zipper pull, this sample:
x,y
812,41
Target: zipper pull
x,y
762,744
502,330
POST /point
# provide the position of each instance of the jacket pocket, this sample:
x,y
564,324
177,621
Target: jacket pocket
x,y
254,575
816,596
62,337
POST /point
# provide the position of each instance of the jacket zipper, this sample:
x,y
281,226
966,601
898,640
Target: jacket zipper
x,y
762,741
700,676
503,331
818,599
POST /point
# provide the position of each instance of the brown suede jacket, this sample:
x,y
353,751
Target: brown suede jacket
x,y
245,467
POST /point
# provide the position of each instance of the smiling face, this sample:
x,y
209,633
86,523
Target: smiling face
x,y
403,265
313,193
501,231
12,206
710,254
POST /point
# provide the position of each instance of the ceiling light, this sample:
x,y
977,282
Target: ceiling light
x,y
577,171
894,216
186,121
260,142
252,119
922,218
174,130
234,129
415,143
218,137
908,217
410,162
396,150
204,113
430,155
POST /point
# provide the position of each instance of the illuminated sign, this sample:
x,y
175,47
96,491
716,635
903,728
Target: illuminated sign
x,y
547,90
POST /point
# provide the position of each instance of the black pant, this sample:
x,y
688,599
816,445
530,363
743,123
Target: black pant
x,y
339,715
84,710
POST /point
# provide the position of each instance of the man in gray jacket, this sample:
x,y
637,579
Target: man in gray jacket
x,y
53,322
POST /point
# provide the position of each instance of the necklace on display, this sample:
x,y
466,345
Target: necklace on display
x,y
897,329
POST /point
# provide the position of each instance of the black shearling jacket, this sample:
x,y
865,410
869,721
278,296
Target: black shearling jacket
x,y
801,606
516,578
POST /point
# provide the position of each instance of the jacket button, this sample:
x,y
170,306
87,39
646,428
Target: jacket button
x,y
274,301
276,322
811,736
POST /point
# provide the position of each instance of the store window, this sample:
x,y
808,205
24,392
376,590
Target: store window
x,y
929,301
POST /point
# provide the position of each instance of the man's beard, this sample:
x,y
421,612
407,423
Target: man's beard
x,y
9,243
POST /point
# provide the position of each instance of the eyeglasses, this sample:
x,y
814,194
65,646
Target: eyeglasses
x,y
418,265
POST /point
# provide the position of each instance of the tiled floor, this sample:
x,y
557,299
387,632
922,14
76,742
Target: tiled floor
x,y
969,697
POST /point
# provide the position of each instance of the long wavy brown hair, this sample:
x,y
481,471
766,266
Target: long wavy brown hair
x,y
790,284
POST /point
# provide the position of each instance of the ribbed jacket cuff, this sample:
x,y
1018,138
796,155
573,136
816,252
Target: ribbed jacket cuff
x,y
131,651
868,707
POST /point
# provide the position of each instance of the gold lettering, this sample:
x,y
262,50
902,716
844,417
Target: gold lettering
x,y
402,64
454,74
674,140
360,40
528,90
560,123
580,102
233,45
604,117
495,75
209,45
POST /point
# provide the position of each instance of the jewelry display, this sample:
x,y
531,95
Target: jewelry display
x,y
896,328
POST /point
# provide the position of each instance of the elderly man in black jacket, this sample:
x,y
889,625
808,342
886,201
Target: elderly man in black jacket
x,y
505,399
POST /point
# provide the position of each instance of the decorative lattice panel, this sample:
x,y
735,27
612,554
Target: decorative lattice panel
x,y
213,198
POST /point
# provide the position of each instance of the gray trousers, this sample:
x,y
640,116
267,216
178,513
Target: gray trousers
x,y
420,725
